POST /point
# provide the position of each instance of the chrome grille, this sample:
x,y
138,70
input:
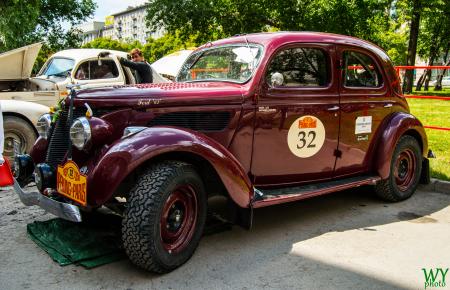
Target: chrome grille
x,y
59,140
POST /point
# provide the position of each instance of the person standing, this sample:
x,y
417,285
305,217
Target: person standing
x,y
140,65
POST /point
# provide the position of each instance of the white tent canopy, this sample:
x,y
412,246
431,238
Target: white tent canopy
x,y
171,64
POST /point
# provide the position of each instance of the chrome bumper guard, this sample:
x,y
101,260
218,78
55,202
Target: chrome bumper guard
x,y
63,210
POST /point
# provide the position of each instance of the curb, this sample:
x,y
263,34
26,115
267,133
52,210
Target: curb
x,y
437,185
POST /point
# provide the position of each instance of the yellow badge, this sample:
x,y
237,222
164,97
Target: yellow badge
x,y
71,183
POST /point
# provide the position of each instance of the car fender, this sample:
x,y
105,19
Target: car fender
x,y
27,110
124,156
398,125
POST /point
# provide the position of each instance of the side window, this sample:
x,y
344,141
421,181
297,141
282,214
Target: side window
x,y
92,70
360,71
300,67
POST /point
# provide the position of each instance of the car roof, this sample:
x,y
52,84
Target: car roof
x,y
268,39
84,53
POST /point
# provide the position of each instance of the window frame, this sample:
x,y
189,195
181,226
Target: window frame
x,y
324,47
49,62
118,68
374,60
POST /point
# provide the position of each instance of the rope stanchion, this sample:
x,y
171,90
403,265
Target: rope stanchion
x,y
428,97
437,128
442,98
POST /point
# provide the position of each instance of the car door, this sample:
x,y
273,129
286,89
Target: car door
x,y
297,117
365,102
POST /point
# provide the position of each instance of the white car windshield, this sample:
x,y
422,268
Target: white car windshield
x,y
57,66
233,63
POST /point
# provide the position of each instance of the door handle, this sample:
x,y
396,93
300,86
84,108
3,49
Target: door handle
x,y
388,105
334,108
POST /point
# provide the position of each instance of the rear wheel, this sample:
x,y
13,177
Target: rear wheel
x,y
165,217
17,129
406,166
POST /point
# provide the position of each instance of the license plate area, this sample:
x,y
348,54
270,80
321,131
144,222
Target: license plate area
x,y
71,183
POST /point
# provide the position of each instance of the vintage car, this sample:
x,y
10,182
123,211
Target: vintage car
x,y
18,119
73,66
260,119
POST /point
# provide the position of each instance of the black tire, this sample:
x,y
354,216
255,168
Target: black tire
x,y
143,229
405,169
20,130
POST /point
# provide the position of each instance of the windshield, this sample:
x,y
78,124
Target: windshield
x,y
234,63
57,66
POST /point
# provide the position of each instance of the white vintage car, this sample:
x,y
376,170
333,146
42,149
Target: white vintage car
x,y
74,66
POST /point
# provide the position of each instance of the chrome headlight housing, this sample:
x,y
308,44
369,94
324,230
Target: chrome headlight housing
x,y
43,125
80,133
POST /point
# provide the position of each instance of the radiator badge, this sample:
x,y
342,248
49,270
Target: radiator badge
x,y
306,136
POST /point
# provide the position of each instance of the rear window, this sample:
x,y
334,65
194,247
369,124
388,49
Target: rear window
x,y
360,70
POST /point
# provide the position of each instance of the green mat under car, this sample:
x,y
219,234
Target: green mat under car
x,y
94,243
89,245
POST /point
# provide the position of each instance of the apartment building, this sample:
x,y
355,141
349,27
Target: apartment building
x,y
127,25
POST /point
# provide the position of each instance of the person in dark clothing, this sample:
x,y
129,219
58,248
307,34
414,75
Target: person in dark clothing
x,y
143,70
138,63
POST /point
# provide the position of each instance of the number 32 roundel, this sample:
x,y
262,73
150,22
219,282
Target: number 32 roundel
x,y
306,136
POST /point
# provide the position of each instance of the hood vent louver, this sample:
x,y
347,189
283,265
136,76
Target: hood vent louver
x,y
197,121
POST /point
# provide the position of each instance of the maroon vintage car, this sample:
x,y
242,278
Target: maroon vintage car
x,y
261,119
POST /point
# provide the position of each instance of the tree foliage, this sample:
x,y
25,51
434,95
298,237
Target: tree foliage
x,y
212,19
153,50
26,21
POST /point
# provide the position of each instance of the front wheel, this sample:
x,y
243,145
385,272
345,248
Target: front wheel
x,y
165,217
405,169
17,129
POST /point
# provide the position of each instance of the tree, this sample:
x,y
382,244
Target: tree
x,y
212,19
153,50
108,43
433,37
23,22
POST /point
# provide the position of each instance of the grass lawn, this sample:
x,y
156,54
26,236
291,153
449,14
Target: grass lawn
x,y
435,113
431,92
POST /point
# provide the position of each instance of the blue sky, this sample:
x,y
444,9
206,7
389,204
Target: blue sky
x,y
108,7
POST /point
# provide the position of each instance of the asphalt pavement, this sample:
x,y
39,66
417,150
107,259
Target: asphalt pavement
x,y
346,240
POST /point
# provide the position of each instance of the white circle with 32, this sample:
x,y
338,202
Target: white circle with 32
x,y
306,136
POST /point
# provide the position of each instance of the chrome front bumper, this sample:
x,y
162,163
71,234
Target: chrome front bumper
x,y
63,210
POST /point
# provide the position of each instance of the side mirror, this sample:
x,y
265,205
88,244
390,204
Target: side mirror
x,y
276,79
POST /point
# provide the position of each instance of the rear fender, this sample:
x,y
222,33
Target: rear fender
x,y
400,124
128,154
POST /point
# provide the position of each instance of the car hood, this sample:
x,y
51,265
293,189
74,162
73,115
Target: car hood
x,y
17,64
164,94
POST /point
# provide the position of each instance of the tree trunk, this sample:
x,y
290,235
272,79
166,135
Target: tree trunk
x,y
421,80
412,45
438,86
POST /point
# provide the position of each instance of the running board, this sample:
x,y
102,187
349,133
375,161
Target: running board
x,y
266,197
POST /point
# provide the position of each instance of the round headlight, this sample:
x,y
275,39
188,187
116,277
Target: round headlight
x,y
43,125
80,133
